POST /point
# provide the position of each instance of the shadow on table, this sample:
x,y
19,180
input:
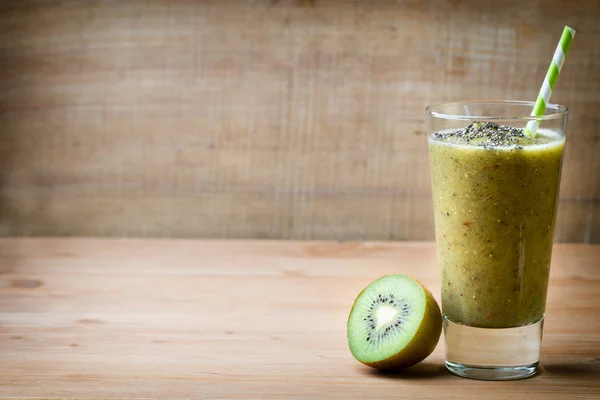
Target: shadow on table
x,y
420,371
588,368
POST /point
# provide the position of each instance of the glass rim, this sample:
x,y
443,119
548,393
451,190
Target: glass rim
x,y
556,111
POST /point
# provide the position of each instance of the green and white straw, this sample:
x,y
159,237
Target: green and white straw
x,y
550,81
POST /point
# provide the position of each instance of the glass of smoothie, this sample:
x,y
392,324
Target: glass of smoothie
x,y
495,192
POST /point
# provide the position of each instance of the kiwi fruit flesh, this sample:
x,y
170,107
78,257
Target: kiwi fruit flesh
x,y
394,323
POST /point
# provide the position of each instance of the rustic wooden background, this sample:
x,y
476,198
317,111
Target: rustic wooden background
x,y
268,119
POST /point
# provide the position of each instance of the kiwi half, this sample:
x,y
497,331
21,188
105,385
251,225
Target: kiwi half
x,y
394,323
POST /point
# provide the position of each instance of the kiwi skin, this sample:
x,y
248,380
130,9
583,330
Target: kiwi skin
x,y
422,344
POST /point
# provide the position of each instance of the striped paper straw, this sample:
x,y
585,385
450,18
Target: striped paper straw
x,y
550,81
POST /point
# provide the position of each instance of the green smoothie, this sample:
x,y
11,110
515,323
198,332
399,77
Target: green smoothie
x,y
494,195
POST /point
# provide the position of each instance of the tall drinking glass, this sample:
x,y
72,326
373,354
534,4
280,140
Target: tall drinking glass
x,y
495,208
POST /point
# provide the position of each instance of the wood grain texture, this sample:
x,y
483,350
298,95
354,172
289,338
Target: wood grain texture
x,y
247,320
268,119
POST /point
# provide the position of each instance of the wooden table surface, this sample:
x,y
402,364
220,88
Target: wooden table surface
x,y
92,318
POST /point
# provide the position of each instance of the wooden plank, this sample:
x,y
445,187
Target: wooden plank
x,y
276,119
247,319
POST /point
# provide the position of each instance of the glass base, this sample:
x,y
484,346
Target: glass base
x,y
493,354
491,373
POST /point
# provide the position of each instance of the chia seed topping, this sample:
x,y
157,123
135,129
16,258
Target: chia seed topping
x,y
485,134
